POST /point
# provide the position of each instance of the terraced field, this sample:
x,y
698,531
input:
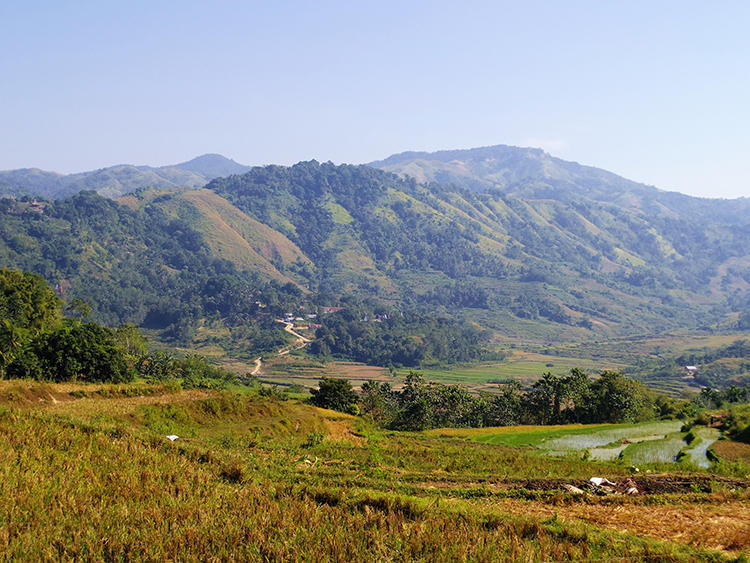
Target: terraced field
x,y
525,367
631,444
86,472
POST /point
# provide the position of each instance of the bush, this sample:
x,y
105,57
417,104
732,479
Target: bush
x,y
335,394
74,352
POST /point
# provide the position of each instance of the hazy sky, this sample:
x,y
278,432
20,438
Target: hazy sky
x,y
657,91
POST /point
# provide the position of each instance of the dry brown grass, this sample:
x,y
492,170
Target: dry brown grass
x,y
719,523
122,406
339,426
732,451
102,483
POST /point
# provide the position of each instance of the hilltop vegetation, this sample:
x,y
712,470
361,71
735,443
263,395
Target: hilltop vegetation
x,y
140,267
587,265
38,342
545,257
714,367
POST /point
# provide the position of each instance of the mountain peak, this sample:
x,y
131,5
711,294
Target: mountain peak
x,y
211,166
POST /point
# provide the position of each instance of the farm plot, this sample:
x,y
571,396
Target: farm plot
x,y
697,454
651,442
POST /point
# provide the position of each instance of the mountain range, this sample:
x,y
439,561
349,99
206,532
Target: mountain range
x,y
118,180
512,240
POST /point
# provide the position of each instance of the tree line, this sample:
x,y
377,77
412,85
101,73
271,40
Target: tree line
x,y
401,338
37,341
573,398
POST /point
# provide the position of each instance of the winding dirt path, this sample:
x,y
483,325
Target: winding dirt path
x,y
301,341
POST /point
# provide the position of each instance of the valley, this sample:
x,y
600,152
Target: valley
x,y
491,354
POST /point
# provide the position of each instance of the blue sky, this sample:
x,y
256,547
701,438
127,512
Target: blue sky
x,y
656,91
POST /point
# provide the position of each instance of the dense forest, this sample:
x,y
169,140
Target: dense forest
x,y
140,267
230,259
583,264
396,338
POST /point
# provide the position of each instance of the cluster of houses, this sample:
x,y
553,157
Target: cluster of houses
x,y
375,318
309,319
19,207
690,372
290,318
62,286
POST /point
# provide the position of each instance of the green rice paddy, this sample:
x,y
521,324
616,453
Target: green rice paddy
x,y
634,444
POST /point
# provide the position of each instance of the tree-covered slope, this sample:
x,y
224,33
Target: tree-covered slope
x,y
541,269
140,266
229,233
533,173
509,261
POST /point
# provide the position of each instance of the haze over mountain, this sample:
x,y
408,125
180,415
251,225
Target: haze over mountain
x,y
533,173
117,180
531,247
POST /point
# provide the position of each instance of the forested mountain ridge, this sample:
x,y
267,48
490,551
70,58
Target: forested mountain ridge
x,y
588,265
533,173
141,265
117,180
539,269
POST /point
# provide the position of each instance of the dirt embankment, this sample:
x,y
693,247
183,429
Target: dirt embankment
x,y
646,484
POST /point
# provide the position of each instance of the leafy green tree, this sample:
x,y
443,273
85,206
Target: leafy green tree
x,y
80,352
453,406
576,396
13,339
130,340
620,399
27,301
79,309
544,401
506,408
335,394
710,398
379,401
416,414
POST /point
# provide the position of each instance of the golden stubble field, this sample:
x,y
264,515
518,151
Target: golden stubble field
x,y
86,472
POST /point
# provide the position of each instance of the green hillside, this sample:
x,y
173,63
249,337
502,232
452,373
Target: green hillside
x,y
142,266
525,269
232,235
534,174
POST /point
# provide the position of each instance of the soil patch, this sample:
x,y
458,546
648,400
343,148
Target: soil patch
x,y
723,525
646,484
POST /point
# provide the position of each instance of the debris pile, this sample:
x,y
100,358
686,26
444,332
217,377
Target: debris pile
x,y
603,486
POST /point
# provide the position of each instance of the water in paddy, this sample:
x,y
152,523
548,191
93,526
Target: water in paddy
x,y
593,440
612,453
697,453
657,451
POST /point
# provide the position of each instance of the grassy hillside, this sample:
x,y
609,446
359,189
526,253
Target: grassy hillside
x,y
233,236
534,174
537,268
563,269
136,263
88,473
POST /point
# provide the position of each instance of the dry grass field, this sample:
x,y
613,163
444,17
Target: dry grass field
x,y
86,472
